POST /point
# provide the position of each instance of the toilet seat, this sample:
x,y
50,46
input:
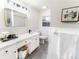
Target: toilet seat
x,y
43,37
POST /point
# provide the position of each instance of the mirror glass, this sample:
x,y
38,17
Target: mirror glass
x,y
15,19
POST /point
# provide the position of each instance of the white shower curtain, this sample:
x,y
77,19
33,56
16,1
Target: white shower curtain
x,y
63,45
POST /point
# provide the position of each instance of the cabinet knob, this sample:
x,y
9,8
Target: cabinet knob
x,y
6,51
14,51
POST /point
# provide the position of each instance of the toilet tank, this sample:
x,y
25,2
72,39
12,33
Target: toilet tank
x,y
44,31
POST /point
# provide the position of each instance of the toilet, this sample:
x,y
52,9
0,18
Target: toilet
x,y
43,39
43,36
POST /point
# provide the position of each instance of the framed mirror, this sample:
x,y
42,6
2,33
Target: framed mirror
x,y
14,18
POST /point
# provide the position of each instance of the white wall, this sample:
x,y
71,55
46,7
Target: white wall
x,y
44,13
56,8
2,13
33,19
44,30
70,4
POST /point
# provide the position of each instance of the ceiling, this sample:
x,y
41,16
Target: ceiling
x,y
38,3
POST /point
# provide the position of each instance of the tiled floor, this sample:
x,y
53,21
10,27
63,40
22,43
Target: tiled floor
x,y
40,53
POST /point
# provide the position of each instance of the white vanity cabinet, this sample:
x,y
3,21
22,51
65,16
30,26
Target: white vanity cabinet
x,y
8,53
34,43
11,52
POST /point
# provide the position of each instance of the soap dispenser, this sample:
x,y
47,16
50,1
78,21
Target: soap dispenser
x,y
30,31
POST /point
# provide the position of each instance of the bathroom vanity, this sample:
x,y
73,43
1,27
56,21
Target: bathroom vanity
x,y
9,49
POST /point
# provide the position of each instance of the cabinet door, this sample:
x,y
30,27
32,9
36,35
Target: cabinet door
x,y
33,44
9,52
12,55
30,46
13,52
5,53
36,41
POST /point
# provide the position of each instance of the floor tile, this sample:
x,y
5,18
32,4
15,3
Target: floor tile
x,y
39,53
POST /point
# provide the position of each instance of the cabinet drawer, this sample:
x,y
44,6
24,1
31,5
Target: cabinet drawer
x,y
35,37
20,44
3,53
8,52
